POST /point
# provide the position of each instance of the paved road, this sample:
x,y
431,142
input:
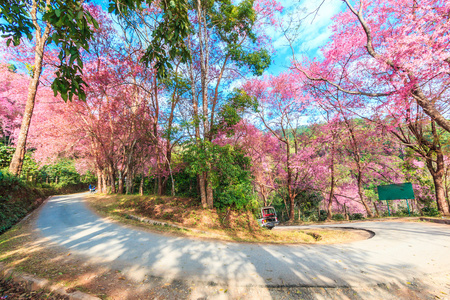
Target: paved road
x,y
399,252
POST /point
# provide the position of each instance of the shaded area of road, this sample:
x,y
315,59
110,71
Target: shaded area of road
x,y
397,253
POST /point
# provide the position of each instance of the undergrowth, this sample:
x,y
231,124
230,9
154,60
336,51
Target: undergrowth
x,y
19,197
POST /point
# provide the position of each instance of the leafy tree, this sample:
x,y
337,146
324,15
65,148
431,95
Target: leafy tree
x,y
65,23
229,169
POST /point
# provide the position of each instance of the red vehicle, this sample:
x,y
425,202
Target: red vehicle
x,y
268,217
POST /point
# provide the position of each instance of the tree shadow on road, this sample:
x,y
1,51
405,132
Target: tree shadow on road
x,y
350,269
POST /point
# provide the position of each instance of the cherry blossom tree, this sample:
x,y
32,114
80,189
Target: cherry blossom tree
x,y
12,89
281,110
390,51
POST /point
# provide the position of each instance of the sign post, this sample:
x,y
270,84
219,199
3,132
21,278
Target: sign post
x,y
396,192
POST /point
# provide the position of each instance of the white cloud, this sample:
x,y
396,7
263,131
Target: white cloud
x,y
308,28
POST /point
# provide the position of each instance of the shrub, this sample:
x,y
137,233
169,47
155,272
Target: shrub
x,y
323,215
357,216
338,217
229,173
6,154
238,196
307,201
430,211
399,213
310,218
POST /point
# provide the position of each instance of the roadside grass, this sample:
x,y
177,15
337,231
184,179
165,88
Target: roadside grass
x,y
194,221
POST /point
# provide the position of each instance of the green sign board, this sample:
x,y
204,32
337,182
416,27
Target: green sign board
x,y
395,191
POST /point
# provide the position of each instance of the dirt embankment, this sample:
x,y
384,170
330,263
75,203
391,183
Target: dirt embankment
x,y
228,225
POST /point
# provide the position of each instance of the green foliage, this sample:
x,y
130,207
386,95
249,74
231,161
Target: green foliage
x,y
228,171
231,112
18,197
356,216
89,177
72,28
431,211
323,215
310,218
185,184
63,173
12,68
308,202
168,38
30,168
18,22
401,212
226,17
257,61
238,196
6,154
418,175
338,217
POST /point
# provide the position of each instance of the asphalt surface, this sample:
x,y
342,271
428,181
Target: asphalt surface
x,y
398,253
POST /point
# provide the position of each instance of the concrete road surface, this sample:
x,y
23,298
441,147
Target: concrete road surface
x,y
398,253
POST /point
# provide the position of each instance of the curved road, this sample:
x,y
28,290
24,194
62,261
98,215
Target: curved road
x,y
399,252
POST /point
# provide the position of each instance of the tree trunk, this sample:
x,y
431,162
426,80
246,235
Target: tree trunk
x,y
419,208
104,182
164,185
160,185
330,200
377,213
264,196
361,194
291,208
141,185
120,185
129,183
209,195
437,173
202,183
19,154
99,180
112,180
206,191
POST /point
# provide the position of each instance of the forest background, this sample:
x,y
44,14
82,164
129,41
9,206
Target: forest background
x,y
172,98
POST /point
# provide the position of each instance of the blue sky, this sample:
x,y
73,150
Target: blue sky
x,y
313,31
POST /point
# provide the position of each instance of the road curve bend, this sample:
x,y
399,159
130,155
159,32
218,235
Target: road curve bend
x,y
399,252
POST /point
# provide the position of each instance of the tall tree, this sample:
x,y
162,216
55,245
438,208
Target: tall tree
x,y
67,25
281,111
390,51
223,35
